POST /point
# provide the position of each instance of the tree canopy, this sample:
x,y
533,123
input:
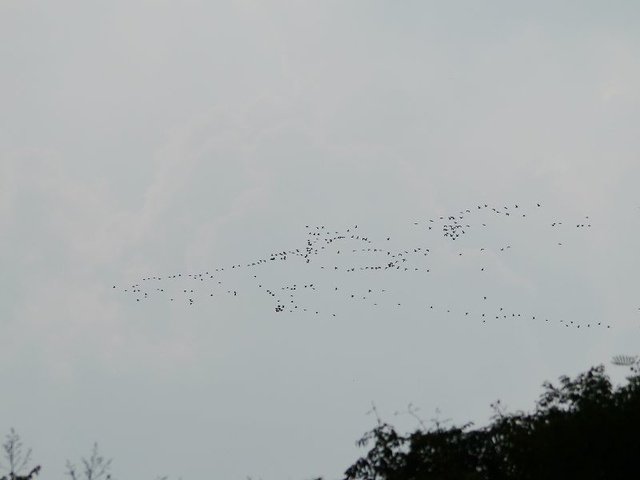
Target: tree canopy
x,y
583,428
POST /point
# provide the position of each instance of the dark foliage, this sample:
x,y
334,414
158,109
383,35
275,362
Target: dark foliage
x,y
583,428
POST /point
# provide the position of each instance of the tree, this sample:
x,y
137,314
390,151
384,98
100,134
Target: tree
x,y
96,467
582,428
16,459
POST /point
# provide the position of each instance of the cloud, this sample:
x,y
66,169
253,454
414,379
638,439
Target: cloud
x,y
145,138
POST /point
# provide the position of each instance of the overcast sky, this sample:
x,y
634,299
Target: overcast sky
x,y
142,138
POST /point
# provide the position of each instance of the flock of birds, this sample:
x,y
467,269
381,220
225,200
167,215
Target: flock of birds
x,y
332,258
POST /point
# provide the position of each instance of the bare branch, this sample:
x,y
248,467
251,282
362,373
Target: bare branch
x,y
624,360
15,458
96,467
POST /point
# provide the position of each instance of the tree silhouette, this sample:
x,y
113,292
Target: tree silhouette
x,y
16,460
581,428
96,467
16,463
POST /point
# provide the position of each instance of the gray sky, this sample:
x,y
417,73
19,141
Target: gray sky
x,y
147,137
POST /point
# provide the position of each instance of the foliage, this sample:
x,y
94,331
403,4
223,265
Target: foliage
x,y
581,428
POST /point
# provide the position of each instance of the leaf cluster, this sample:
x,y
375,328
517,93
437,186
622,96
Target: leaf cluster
x,y
581,428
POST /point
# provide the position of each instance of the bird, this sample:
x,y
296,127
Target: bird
x,y
314,247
